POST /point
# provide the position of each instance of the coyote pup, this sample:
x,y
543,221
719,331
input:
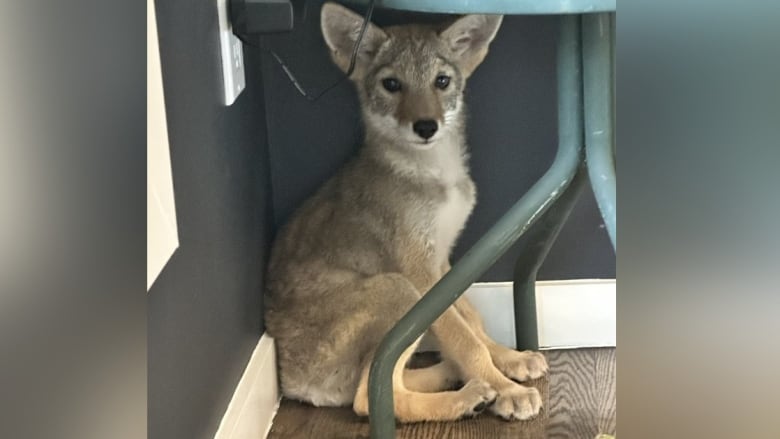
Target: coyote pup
x,y
374,238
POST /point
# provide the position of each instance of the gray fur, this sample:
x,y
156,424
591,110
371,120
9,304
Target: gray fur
x,y
356,255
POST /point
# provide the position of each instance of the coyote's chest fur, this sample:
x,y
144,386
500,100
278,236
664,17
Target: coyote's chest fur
x,y
450,218
446,198
448,215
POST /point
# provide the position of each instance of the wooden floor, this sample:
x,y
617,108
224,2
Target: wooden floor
x,y
579,396
582,393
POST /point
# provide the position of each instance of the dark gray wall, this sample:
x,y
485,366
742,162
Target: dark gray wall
x,y
205,309
512,134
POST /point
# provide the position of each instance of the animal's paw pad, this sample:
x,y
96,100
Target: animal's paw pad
x,y
477,396
522,366
517,403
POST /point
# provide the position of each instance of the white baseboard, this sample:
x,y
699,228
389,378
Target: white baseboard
x,y
570,313
256,399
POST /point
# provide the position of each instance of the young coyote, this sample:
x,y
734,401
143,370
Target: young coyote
x,y
361,252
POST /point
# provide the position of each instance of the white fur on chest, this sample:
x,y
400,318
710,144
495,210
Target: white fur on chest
x,y
448,222
445,164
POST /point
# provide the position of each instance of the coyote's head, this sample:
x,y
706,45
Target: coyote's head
x,y
410,78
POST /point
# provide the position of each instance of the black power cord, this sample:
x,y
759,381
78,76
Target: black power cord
x,y
291,76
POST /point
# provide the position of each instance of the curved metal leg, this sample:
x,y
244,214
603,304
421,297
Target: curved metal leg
x,y
542,237
599,114
495,242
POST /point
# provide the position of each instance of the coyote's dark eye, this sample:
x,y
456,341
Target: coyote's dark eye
x,y
391,84
442,82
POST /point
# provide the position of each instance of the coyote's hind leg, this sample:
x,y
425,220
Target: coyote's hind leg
x,y
393,295
440,376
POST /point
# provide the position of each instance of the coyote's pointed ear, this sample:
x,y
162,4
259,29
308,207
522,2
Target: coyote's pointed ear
x,y
468,38
341,28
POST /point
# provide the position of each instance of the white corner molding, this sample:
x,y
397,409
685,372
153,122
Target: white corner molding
x,y
570,313
162,237
256,399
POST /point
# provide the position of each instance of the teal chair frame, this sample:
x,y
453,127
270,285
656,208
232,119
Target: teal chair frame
x,y
585,130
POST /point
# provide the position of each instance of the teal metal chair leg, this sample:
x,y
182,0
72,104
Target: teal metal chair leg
x,y
540,239
598,67
495,242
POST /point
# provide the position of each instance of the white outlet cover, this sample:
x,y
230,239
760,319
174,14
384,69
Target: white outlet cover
x,y
232,56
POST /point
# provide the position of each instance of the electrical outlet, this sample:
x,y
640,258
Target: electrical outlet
x,y
232,56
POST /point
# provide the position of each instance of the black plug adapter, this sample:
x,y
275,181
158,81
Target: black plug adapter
x,y
250,17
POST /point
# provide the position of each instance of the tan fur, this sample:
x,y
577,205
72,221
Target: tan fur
x,y
419,106
361,252
439,377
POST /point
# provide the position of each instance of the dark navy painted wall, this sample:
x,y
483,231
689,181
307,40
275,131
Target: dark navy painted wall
x,y
205,310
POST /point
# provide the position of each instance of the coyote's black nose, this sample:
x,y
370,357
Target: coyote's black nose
x,y
425,128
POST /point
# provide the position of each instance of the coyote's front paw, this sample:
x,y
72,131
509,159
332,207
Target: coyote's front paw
x,y
476,396
521,366
517,403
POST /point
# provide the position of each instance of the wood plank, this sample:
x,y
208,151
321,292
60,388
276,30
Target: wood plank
x,y
301,421
583,402
582,405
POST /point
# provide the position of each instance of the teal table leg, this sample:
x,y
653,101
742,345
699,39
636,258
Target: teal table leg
x,y
540,239
494,243
598,69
